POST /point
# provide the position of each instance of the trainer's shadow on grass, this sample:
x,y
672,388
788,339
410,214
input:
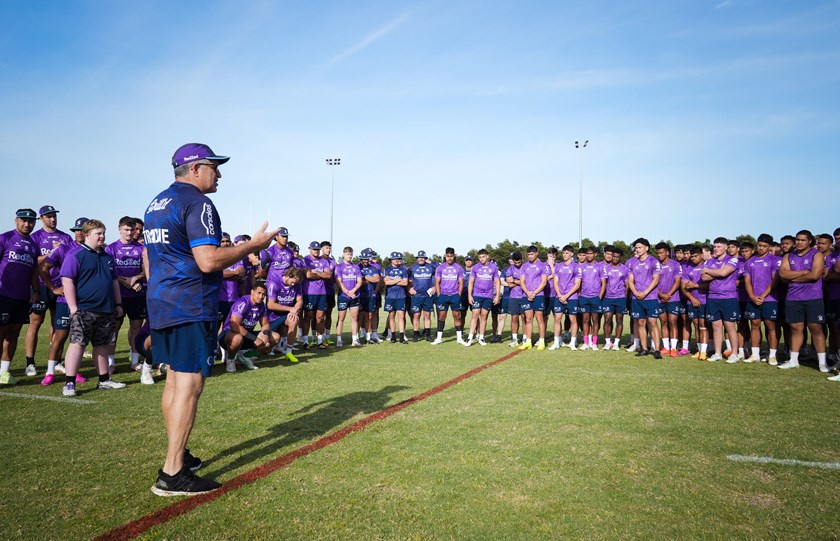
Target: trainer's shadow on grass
x,y
315,420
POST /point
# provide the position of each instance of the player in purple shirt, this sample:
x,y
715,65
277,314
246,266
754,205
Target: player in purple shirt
x,y
534,280
61,322
318,271
593,285
449,282
329,285
670,276
19,287
722,310
47,239
760,279
483,291
278,257
803,269
128,263
696,291
348,278
285,304
615,295
567,281
513,278
239,329
643,281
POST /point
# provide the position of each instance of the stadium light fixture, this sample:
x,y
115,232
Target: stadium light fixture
x,y
580,147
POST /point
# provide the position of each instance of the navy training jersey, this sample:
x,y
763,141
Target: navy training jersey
x,y
177,220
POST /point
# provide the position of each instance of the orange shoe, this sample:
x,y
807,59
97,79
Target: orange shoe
x,y
727,353
673,353
665,351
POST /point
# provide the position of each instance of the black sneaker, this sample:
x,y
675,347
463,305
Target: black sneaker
x,y
416,337
393,339
403,340
322,346
429,338
190,461
656,355
185,483
305,346
642,353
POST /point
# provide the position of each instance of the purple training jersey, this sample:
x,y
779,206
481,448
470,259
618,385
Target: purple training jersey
x,y
727,287
590,283
834,286
46,243
229,291
250,313
534,273
643,273
693,274
805,291
449,276
316,286
567,275
128,262
276,260
616,281
669,273
348,274
761,271
19,260
516,273
484,280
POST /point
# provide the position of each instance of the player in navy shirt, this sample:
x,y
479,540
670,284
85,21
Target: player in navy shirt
x,y
182,236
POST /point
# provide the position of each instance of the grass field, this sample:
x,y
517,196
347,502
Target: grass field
x,y
545,445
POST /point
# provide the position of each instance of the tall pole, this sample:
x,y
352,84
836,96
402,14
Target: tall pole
x,y
580,191
331,162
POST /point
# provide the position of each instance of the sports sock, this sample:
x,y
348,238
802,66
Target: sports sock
x,y
556,340
573,342
30,360
704,347
637,341
728,345
320,339
441,324
673,343
440,335
665,343
513,337
821,358
4,366
135,358
741,352
51,367
685,344
772,352
794,356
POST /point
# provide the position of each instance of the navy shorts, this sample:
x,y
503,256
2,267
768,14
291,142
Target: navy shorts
x,y
537,305
451,302
279,322
614,306
805,311
315,302
589,305
188,347
465,303
367,304
482,303
47,300
502,307
13,311
723,309
518,305
571,307
61,322
768,310
394,305
675,308
331,301
696,313
644,309
346,302
422,303
832,310
247,343
135,308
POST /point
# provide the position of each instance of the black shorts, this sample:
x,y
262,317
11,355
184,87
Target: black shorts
x,y
47,301
98,328
805,311
13,311
134,308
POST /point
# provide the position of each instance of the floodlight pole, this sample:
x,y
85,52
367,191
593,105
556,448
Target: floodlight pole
x,y
580,147
332,162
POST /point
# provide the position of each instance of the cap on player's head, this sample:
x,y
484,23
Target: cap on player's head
x,y
468,258
421,254
283,232
47,209
396,255
226,236
516,256
314,245
449,251
641,240
25,214
364,254
193,152
79,224
764,237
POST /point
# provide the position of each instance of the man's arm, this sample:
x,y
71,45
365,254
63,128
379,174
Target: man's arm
x,y
211,258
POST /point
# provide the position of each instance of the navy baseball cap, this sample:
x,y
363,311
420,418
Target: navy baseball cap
x,y
283,232
80,223
421,253
373,253
225,236
396,255
47,209
25,214
468,258
193,152
365,254
314,245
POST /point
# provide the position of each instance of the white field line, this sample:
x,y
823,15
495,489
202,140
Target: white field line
x,y
51,398
785,461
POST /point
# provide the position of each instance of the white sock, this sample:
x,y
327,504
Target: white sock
x,y
704,347
440,335
665,343
367,336
135,358
637,342
459,335
4,366
513,337
821,358
794,357
673,343
320,338
728,345
355,337
608,343
469,337
146,366
685,344
51,367
741,352
772,352
574,341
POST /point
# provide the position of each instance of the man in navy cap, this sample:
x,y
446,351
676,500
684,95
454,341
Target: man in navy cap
x,y
19,286
47,239
182,237
371,282
396,282
422,289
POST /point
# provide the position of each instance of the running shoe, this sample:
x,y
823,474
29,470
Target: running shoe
x,y
7,379
69,390
48,379
110,384
184,483
30,370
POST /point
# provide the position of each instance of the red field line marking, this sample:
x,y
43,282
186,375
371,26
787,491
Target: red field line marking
x,y
133,529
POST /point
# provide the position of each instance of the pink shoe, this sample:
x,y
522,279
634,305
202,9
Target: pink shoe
x,y
48,379
80,378
683,352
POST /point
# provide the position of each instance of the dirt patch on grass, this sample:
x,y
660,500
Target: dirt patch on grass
x,y
764,501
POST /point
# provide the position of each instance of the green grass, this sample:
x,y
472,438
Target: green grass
x,y
546,445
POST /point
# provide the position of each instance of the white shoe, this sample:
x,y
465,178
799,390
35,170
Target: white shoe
x,y
59,368
632,348
230,365
616,347
554,347
834,378
594,347
715,358
69,390
584,347
789,364
481,342
824,368
437,341
772,361
146,377
572,347
110,384
356,344
249,364
30,370
466,343
752,359
513,344
733,359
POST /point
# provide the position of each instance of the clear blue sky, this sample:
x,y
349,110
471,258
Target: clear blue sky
x,y
455,121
